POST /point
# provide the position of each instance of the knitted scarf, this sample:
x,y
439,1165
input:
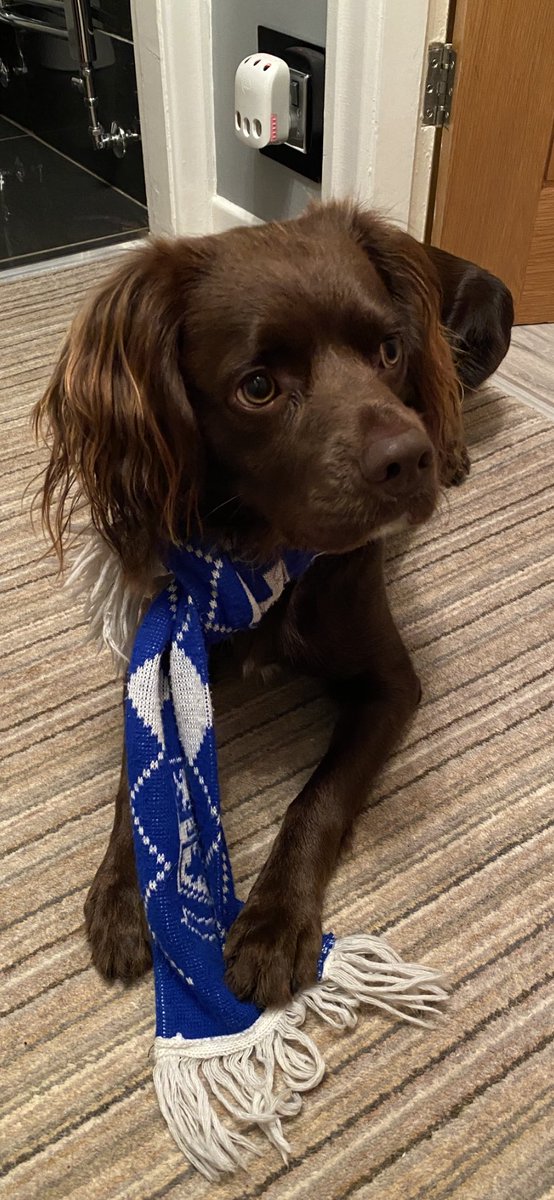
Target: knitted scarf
x,y
209,1045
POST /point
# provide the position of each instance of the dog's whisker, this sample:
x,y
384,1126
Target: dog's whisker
x,y
218,507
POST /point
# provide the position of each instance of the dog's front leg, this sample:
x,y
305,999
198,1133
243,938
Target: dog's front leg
x,y
273,947
114,912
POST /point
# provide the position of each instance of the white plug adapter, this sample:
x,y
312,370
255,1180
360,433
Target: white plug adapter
x,y
262,100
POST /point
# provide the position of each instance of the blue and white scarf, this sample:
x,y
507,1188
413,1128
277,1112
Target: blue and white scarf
x,y
209,1044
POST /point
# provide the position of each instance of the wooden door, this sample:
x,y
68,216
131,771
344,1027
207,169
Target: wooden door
x,y
494,201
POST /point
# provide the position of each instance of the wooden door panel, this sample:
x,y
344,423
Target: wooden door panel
x,y
493,155
549,177
537,299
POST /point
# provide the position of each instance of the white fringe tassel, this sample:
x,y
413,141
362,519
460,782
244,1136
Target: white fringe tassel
x,y
113,605
239,1071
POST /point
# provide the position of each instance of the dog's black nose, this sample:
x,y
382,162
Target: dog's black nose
x,y
399,464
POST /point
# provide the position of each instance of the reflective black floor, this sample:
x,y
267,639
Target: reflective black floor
x,y
50,206
7,129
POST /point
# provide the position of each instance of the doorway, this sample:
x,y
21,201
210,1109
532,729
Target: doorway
x,y
494,200
71,166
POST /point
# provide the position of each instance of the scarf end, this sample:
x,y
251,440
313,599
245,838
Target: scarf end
x,y
200,1083
364,969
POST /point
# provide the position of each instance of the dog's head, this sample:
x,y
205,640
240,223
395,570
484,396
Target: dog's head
x,y
287,385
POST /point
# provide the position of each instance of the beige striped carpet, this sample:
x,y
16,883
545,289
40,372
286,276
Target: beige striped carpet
x,y
451,857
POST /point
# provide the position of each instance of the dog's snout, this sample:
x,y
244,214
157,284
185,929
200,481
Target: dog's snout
x,y
400,463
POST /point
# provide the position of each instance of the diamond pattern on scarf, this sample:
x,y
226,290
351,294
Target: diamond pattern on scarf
x,y
182,860
209,1045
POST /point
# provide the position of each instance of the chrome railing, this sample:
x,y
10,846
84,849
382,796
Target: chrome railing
x,y
8,16
77,29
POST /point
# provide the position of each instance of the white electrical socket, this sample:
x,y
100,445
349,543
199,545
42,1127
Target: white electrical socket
x,y
262,100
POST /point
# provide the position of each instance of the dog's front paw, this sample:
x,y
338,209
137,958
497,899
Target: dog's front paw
x,y
456,467
116,928
272,951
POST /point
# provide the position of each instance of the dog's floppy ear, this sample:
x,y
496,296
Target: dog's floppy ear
x,y
122,434
478,309
412,281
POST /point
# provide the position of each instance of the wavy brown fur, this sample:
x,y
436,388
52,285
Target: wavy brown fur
x,y
116,414
138,413
150,419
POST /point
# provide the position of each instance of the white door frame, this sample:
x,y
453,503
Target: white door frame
x,y
375,149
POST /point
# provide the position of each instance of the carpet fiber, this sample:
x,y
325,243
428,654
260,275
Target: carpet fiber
x,y
452,858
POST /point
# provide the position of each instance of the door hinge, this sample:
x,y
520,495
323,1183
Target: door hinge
x,y
439,85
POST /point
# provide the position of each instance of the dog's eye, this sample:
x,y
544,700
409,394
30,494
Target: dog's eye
x,y
390,352
257,388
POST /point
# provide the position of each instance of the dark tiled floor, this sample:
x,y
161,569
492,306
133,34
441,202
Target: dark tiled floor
x,y
49,206
7,130
45,102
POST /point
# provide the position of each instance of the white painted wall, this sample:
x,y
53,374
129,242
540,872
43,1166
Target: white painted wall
x,y
374,146
245,177
374,141
175,88
151,97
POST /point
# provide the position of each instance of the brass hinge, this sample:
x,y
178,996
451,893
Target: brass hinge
x,y
439,85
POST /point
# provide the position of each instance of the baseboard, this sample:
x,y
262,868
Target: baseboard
x,y
527,394
226,215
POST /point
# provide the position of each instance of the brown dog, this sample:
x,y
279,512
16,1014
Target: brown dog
x,y
287,386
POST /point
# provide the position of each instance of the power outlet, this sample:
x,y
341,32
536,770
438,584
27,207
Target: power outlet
x,y
303,152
